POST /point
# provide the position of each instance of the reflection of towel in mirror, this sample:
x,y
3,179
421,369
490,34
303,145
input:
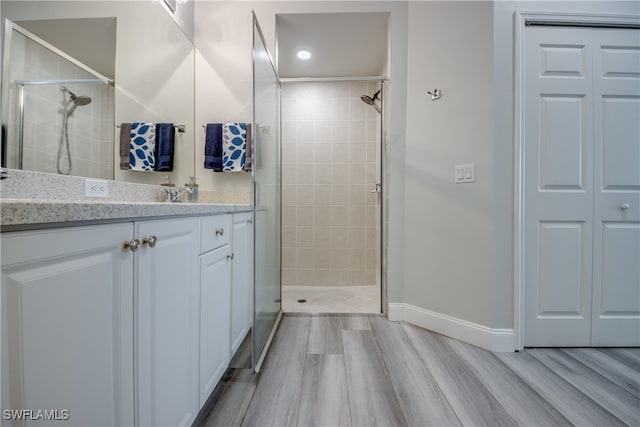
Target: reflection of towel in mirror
x,y
165,138
248,158
234,146
143,147
125,145
213,147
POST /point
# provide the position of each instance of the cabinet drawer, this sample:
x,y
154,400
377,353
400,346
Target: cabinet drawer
x,y
215,232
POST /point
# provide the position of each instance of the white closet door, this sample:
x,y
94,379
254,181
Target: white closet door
x,y
616,262
582,182
558,150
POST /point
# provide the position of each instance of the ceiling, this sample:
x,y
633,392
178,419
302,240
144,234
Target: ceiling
x,y
341,44
91,41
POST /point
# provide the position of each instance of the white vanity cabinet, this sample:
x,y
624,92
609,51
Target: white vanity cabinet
x,y
167,321
241,279
67,324
215,301
122,324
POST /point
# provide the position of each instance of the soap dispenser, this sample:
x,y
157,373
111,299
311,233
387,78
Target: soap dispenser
x,y
193,196
167,182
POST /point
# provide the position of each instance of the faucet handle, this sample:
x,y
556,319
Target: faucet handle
x,y
166,194
173,194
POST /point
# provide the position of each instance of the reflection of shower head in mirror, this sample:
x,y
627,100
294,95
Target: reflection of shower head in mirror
x,y
76,100
64,134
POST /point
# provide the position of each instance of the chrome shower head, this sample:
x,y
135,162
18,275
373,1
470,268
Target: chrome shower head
x,y
78,101
372,101
367,99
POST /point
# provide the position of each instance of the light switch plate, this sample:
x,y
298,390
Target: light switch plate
x,y
465,173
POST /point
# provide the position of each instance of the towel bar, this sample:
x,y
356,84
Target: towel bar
x,y
179,127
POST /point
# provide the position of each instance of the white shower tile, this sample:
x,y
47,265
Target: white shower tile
x,y
357,131
321,258
322,152
305,173
322,194
357,110
322,216
340,131
289,237
304,237
340,194
358,194
306,153
340,259
322,237
357,173
305,194
305,216
339,215
357,152
289,257
340,237
340,109
356,238
305,258
339,173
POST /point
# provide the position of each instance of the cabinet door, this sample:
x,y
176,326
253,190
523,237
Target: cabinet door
x,y
215,301
67,326
167,323
241,279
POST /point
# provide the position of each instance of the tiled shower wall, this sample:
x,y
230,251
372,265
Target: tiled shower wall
x,y
90,127
330,158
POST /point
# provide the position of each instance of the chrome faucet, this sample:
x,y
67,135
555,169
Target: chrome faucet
x,y
174,195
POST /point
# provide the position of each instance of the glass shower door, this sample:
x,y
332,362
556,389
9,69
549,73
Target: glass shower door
x,y
266,197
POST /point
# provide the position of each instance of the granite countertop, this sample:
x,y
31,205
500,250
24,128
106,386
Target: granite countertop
x,y
18,213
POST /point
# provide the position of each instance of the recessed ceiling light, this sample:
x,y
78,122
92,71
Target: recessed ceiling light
x,y
304,54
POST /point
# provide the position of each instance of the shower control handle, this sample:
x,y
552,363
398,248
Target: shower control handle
x,y
378,189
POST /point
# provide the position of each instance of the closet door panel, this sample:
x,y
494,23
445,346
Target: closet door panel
x,y
616,279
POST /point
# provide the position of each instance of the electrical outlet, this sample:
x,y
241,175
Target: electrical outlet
x,y
96,188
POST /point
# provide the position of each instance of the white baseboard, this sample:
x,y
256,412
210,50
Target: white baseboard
x,y
496,340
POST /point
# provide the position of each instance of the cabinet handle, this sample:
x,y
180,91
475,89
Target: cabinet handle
x,y
132,245
624,206
219,232
249,221
151,241
230,256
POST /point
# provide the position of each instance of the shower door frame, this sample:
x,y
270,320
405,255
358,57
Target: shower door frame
x,y
382,168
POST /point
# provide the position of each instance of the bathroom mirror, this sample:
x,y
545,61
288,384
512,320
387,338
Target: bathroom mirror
x,y
73,71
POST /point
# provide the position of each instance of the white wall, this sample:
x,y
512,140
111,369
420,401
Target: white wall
x,y
223,81
448,226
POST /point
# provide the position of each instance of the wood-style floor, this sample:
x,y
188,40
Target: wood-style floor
x,y
359,370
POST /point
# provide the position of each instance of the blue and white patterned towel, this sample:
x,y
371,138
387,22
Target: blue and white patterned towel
x,y
234,146
143,147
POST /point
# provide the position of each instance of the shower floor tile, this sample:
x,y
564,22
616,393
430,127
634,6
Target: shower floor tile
x,y
331,299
